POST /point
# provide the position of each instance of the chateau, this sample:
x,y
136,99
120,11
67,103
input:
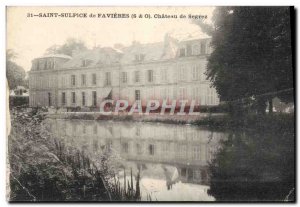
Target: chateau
x,y
169,70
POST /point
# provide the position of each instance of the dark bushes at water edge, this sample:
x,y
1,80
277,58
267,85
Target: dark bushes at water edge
x,y
250,121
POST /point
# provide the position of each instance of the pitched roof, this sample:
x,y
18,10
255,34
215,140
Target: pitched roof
x,y
151,52
101,57
95,57
56,55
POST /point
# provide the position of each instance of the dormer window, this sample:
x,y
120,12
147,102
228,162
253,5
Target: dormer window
x,y
139,57
85,62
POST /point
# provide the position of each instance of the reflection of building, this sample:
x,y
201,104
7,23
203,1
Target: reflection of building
x,y
169,70
187,148
19,97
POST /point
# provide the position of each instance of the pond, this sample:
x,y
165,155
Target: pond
x,y
188,163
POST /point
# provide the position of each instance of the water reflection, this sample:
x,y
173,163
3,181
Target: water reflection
x,y
186,163
172,159
255,166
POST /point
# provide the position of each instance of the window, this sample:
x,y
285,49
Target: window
x,y
139,149
196,153
73,80
182,93
74,129
150,75
165,147
45,65
136,76
83,79
138,131
49,99
188,50
73,97
151,149
139,57
63,98
94,98
209,96
124,77
83,98
125,147
95,145
63,81
48,64
38,65
83,129
182,52
95,129
196,95
196,50
182,73
164,75
85,62
183,172
107,78
53,64
163,93
182,151
202,48
94,79
195,72
137,95
197,174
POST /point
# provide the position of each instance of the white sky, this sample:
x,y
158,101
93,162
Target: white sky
x,y
30,37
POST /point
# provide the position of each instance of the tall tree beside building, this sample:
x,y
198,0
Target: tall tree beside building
x,y
68,47
252,54
15,74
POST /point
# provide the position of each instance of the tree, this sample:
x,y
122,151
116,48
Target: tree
x,y
67,48
15,74
252,55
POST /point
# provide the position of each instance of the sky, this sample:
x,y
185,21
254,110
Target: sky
x,y
29,37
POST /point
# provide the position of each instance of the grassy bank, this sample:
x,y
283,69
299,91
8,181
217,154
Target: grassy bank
x,y
43,168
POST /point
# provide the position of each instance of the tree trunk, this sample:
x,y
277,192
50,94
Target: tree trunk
x,y
270,106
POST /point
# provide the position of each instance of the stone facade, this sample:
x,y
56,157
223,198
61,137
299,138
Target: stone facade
x,y
168,70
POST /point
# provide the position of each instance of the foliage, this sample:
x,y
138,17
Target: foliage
x,y
43,168
127,192
15,74
18,101
252,53
67,48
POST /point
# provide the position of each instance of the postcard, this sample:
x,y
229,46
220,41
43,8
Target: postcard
x,y
150,104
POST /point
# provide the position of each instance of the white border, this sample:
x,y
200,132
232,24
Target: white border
x,y
3,201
